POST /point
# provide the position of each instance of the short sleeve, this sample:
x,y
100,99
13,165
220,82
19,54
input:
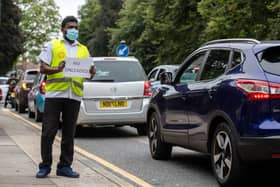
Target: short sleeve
x,y
46,53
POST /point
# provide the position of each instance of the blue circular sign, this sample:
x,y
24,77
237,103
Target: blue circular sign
x,y
122,50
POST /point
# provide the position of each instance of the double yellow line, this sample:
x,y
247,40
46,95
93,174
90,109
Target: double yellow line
x,y
101,161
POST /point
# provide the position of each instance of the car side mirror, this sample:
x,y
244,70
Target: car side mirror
x,y
165,78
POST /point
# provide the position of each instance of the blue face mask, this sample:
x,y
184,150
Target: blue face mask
x,y
72,34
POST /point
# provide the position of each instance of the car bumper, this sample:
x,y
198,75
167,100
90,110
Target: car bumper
x,y
103,119
259,148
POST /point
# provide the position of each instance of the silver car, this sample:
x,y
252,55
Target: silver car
x,y
118,95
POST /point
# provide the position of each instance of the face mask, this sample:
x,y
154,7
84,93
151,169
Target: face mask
x,y
72,34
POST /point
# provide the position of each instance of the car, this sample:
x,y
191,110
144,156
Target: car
x,y
36,98
24,85
154,74
4,87
118,95
225,102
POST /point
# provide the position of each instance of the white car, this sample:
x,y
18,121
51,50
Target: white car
x,y
154,74
4,87
118,95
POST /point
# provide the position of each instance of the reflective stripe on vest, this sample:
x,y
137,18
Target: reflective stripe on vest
x,y
57,81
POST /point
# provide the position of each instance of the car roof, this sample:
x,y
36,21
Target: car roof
x,y
112,58
240,43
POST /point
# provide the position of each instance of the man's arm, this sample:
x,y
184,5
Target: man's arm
x,y
46,69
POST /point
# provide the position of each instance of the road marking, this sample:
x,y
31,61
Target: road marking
x,y
101,161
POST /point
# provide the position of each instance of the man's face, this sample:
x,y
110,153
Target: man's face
x,y
69,25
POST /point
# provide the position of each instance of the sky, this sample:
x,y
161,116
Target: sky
x,y
69,7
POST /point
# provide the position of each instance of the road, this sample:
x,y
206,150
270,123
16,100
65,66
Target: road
x,y
126,150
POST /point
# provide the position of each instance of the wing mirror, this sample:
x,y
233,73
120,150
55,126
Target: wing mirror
x,y
165,78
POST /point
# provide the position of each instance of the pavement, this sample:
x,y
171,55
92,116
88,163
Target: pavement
x,y
20,155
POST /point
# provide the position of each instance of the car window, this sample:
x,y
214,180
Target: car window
x,y
215,65
3,81
271,60
160,72
119,71
31,75
190,73
153,74
236,58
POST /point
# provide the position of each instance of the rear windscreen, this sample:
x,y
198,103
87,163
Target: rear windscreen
x,y
118,71
270,60
3,81
31,75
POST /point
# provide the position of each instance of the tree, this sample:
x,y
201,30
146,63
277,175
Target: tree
x,y
160,31
238,18
11,37
40,22
96,17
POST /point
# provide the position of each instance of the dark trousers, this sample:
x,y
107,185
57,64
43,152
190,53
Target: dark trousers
x,y
69,109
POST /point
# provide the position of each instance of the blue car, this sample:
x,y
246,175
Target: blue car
x,y
36,98
224,101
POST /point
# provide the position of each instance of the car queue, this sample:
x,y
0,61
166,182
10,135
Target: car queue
x,y
223,100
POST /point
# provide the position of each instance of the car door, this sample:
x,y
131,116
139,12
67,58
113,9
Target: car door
x,y
176,119
200,101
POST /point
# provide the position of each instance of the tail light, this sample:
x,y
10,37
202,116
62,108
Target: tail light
x,y
24,85
147,88
42,87
259,90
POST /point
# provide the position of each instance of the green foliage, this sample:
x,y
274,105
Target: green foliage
x,y
160,31
96,16
40,22
11,38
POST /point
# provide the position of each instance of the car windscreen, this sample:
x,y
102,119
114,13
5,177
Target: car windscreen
x,y
270,60
3,81
31,75
119,71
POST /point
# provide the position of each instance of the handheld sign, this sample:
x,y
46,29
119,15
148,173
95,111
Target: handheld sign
x,y
122,50
77,67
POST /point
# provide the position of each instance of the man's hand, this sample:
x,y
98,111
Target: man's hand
x,y
47,69
92,71
61,66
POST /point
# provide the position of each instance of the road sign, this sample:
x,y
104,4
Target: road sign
x,y
122,50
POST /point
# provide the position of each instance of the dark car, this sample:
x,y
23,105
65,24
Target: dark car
x,y
225,101
24,85
36,98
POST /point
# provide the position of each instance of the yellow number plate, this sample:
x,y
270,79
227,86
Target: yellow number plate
x,y
113,104
13,94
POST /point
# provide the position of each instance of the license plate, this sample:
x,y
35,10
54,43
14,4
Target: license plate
x,y
13,94
113,104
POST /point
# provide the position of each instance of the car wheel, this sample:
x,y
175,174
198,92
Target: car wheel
x,y
224,158
158,149
30,114
38,115
21,108
142,130
16,107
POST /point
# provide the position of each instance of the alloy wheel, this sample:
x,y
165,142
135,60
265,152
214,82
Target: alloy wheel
x,y
153,134
222,155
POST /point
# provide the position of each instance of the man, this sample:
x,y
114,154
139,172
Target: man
x,y
63,96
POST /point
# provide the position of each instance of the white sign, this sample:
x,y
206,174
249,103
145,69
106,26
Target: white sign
x,y
77,67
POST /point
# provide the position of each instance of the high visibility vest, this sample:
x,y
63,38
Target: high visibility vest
x,y
57,81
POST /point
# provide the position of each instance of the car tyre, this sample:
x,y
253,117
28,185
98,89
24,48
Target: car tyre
x,y
38,115
158,149
225,160
21,108
30,113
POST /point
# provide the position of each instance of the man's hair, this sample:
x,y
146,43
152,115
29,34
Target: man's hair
x,y
68,19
